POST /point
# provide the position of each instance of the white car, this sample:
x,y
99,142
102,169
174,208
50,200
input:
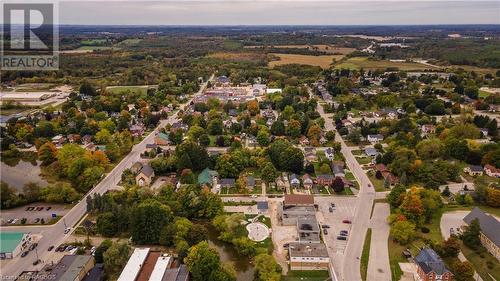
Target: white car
x,y
254,196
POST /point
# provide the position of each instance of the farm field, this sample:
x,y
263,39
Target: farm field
x,y
360,62
122,89
330,49
234,56
129,42
322,61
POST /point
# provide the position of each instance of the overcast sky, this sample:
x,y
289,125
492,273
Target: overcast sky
x,y
280,12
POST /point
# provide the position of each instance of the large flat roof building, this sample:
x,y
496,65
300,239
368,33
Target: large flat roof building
x,y
134,265
308,256
12,243
69,268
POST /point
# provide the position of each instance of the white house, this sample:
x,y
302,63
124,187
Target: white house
x,y
491,171
330,153
375,138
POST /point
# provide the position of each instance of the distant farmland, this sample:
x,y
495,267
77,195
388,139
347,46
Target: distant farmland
x,y
368,64
329,49
131,89
322,61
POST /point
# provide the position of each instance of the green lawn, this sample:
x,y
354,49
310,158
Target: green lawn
x,y
377,184
123,89
365,255
364,160
306,275
357,152
483,262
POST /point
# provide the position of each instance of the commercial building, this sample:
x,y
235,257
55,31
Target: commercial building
x,y
176,274
308,256
25,96
134,265
308,229
13,243
490,230
161,266
295,206
69,268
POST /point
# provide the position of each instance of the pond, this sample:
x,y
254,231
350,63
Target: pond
x,y
20,171
244,269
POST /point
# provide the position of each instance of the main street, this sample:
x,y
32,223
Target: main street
x,y
350,261
54,234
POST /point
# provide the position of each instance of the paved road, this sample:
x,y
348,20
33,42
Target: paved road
x,y
379,268
54,235
351,261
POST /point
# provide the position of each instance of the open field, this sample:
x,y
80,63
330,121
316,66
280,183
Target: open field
x,y
233,56
123,89
330,49
306,275
129,42
322,61
365,63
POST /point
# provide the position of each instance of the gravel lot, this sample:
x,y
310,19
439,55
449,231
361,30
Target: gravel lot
x,y
31,216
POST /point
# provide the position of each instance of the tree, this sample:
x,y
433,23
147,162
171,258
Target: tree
x,y
148,219
330,135
115,257
451,247
412,206
294,128
278,128
463,271
103,137
268,172
87,89
266,268
493,197
215,127
430,149
314,133
403,231
197,234
244,246
263,138
47,153
324,169
338,185
106,224
191,156
253,107
32,192
202,262
471,234
59,193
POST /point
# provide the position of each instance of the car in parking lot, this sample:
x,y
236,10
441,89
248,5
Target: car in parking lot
x,y
10,220
25,253
14,221
347,221
48,208
330,210
344,233
67,230
286,245
325,226
33,246
325,231
36,262
342,238
50,248
39,208
37,220
61,248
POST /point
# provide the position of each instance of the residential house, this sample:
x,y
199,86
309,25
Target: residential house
x,y
74,138
304,141
386,174
307,181
86,139
491,171
136,130
294,181
325,180
308,256
338,168
136,167
490,230
430,267
180,125
151,147
428,129
330,153
375,138
311,156
145,176
474,170
207,177
227,182
162,139
251,141
250,182
58,140
372,152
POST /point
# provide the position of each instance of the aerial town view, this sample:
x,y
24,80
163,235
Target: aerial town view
x,y
228,140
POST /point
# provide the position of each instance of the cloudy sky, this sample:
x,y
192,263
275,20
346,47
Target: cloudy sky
x,y
279,12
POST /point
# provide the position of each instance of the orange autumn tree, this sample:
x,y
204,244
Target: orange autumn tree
x,y
412,206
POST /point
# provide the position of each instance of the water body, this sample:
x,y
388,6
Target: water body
x,y
18,172
244,269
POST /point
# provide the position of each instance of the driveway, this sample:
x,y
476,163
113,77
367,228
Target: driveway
x,y
452,220
378,263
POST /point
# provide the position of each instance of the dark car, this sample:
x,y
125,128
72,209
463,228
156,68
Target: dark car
x,y
330,210
61,248
39,209
50,248
325,231
341,238
48,208
332,204
36,262
347,221
325,226
286,245
24,254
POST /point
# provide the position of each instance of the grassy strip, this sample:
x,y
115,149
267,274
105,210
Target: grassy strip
x,y
365,255
308,275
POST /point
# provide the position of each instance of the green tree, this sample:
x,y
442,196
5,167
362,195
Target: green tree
x,y
101,249
148,219
215,127
403,231
202,262
451,247
471,235
463,271
268,172
106,224
263,138
266,268
115,258
47,153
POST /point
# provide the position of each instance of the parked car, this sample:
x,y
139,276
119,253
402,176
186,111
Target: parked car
x,y
39,208
33,246
50,248
61,248
48,208
332,204
14,221
325,226
286,245
325,231
341,238
10,220
37,220
347,221
25,253
36,262
330,210
67,230
343,233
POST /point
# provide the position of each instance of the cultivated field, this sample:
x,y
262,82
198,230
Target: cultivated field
x,y
365,63
330,49
322,61
234,56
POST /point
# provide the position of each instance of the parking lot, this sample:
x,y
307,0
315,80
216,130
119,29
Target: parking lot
x,y
344,209
34,213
